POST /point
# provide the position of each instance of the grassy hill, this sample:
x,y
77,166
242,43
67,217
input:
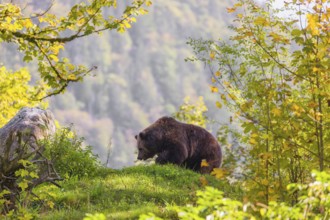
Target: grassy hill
x,y
124,194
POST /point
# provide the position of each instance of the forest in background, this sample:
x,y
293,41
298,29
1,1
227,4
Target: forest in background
x,y
141,74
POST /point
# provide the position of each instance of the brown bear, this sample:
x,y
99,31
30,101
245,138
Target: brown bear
x,y
179,143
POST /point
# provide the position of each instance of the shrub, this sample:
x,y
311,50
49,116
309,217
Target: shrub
x,y
70,157
313,203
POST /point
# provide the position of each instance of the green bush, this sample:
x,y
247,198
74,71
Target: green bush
x,y
313,203
69,156
70,159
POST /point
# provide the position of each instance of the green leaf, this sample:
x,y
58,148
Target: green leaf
x,y
296,32
34,175
23,185
27,58
21,173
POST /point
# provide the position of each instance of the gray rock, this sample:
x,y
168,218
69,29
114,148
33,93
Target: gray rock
x,y
18,138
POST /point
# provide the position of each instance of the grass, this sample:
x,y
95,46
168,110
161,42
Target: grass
x,y
123,194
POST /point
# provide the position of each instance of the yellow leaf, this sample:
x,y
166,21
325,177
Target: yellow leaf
x,y
203,181
263,211
9,19
226,83
239,15
231,10
318,116
81,22
276,37
27,23
254,135
313,24
121,29
148,3
41,19
265,182
217,73
127,25
261,21
142,11
248,33
90,11
266,136
53,57
214,89
212,55
56,48
204,163
252,141
223,97
233,97
296,109
218,173
276,111
218,104
72,77
71,67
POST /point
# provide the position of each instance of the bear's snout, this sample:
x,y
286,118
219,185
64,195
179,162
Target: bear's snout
x,y
141,157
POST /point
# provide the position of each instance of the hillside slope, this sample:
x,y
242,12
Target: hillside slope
x,y
126,193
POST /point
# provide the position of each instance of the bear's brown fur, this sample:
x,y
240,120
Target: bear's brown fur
x,y
179,143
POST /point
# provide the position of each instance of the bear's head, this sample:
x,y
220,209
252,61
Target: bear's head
x,y
151,139
147,144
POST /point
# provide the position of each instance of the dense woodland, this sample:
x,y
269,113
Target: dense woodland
x,y
254,74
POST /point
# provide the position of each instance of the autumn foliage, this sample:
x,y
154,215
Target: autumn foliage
x,y
42,36
273,74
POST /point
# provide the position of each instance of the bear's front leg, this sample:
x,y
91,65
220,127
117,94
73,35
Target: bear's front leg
x,y
162,157
175,154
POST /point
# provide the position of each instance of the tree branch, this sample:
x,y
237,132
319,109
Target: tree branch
x,y
62,88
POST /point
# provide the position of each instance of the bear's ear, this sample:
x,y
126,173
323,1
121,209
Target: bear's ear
x,y
142,135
